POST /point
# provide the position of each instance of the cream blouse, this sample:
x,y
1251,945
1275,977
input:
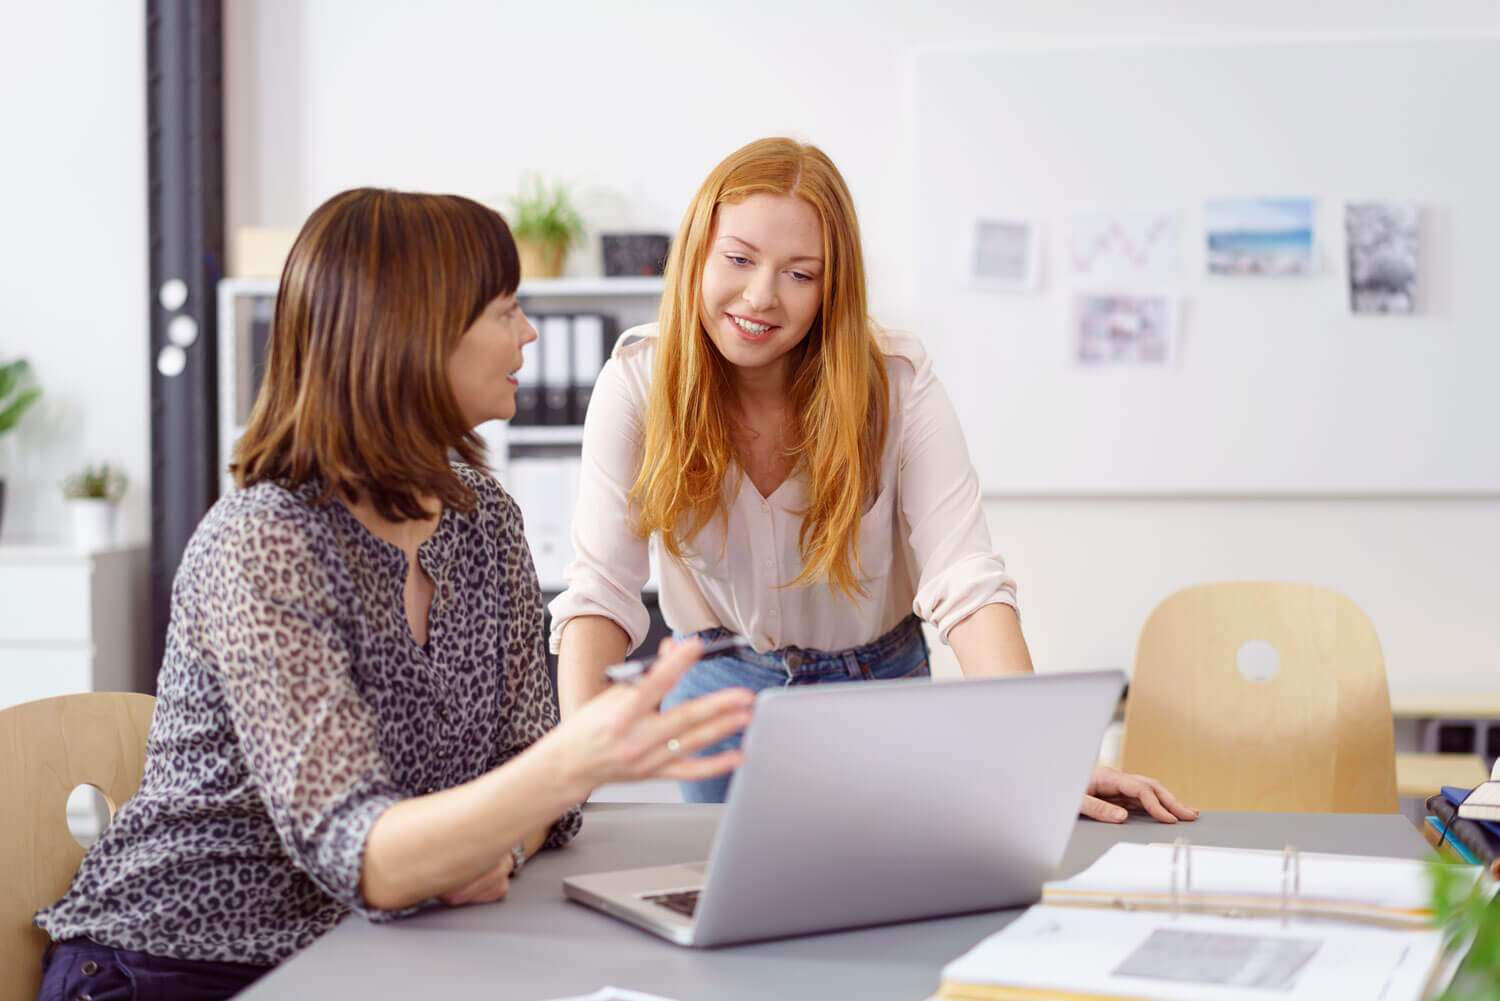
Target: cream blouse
x,y
924,546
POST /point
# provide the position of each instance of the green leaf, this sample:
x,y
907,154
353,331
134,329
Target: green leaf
x,y
545,215
10,374
13,412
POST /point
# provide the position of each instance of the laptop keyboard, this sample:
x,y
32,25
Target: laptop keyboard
x,y
683,902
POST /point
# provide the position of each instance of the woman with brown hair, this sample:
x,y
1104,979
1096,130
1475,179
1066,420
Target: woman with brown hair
x,y
354,712
800,469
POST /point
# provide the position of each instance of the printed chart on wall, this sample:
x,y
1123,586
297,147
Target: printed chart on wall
x,y
1257,269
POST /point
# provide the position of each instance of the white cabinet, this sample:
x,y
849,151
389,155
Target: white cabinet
x,y
73,621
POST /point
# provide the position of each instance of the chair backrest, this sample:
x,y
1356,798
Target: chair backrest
x,y
47,749
1315,737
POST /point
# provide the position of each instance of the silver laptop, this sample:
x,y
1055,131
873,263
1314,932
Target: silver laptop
x,y
876,802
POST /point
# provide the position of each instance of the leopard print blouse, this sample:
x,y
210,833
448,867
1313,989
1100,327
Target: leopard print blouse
x,y
294,706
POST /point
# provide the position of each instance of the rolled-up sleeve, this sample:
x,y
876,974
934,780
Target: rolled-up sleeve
x,y
309,739
958,570
612,563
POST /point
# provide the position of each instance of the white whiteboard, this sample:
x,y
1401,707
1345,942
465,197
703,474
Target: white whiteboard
x,y
1278,388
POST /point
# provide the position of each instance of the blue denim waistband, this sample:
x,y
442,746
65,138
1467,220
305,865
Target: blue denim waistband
x,y
798,661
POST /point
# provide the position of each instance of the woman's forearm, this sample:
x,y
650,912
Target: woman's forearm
x,y
989,643
428,845
590,643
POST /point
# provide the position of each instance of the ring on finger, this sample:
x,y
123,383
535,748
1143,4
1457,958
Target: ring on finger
x,y
674,747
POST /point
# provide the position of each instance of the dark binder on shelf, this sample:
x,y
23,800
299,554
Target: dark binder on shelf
x,y
590,348
555,334
529,385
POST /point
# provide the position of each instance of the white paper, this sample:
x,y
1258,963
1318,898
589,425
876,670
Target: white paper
x,y
1084,950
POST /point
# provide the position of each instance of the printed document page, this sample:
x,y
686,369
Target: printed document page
x,y
1198,958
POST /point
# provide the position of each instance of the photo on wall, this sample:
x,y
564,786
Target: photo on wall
x,y
1382,238
1123,243
1006,254
1261,236
1124,328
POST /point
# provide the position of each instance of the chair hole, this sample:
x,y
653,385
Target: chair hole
x,y
1258,660
89,813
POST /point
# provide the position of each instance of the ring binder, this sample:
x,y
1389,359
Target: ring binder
x,y
1184,879
1105,932
1291,863
1182,849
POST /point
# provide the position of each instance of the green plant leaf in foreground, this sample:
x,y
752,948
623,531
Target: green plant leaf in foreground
x,y
1471,915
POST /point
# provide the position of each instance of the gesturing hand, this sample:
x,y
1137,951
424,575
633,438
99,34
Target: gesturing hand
x,y
619,736
1113,793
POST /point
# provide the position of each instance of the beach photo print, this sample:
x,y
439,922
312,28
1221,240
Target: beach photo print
x,y
1261,236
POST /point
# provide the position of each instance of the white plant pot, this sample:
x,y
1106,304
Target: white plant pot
x,y
93,523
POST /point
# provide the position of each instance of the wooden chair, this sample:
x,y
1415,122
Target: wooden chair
x,y
47,749
1315,737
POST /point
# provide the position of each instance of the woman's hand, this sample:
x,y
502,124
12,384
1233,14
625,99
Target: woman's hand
x,y
1112,794
619,736
486,888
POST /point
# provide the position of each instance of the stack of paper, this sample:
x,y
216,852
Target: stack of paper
x,y
1079,952
1215,924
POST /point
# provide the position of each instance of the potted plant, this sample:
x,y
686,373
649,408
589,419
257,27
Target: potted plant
x,y
16,397
92,494
545,224
1472,916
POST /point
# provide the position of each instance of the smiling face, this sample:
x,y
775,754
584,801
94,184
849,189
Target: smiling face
x,y
482,368
762,282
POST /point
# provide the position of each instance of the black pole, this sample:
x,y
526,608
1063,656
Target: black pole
x,y
185,178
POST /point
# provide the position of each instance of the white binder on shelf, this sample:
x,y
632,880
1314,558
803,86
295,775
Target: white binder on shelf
x,y
529,384
556,338
588,359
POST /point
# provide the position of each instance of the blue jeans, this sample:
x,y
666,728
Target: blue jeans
x,y
82,968
900,653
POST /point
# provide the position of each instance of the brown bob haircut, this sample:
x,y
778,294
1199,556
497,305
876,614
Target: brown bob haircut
x,y
378,289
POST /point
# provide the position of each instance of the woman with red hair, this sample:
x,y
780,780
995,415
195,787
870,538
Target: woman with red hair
x,y
800,470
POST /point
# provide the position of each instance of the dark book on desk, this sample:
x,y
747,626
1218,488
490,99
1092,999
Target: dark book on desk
x,y
1480,838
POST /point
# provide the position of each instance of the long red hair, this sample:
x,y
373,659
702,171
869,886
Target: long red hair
x,y
839,388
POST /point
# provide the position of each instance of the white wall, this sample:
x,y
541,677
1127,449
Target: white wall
x,y
634,103
73,252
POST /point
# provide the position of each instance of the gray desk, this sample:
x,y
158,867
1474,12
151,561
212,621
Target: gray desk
x,y
537,945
